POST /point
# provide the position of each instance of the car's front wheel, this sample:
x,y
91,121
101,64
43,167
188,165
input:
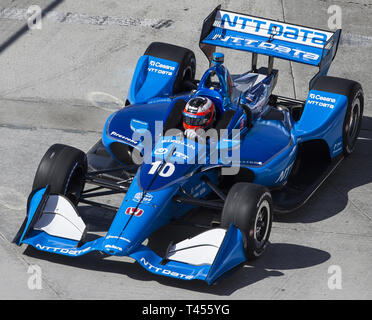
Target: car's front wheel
x,y
249,207
63,168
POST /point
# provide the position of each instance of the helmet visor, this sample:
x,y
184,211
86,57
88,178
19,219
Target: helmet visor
x,y
193,120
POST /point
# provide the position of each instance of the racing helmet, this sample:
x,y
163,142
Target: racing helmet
x,y
199,113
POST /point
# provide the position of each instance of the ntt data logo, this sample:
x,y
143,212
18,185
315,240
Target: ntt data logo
x,y
281,30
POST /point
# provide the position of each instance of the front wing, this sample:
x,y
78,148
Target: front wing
x,y
53,225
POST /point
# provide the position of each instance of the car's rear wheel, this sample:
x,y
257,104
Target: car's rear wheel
x,y
185,59
353,120
63,168
249,207
354,112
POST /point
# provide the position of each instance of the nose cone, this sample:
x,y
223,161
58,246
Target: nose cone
x,y
116,246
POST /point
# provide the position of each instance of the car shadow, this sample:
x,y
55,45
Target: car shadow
x,y
332,197
279,257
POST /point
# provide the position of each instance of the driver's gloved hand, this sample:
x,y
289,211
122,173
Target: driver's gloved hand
x,y
192,134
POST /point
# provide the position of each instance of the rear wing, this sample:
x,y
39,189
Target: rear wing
x,y
291,42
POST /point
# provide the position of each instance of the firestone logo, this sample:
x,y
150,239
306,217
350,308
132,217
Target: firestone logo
x,y
120,136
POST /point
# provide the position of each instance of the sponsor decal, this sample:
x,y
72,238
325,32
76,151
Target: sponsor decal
x,y
139,122
198,190
160,65
251,162
180,155
111,246
284,174
263,196
118,238
246,42
159,68
321,101
161,151
118,135
72,252
133,211
269,28
180,142
164,271
193,109
337,147
146,199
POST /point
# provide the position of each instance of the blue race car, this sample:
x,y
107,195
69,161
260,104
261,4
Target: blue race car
x,y
266,154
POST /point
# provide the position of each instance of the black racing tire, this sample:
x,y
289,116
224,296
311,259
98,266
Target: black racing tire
x,y
249,207
122,152
184,57
63,168
354,112
353,119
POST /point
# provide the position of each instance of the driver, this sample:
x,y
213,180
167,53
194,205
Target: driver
x,y
199,113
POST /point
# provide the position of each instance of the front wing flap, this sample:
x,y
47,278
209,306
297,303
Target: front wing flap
x,y
206,256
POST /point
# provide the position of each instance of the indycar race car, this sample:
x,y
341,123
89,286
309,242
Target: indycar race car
x,y
267,154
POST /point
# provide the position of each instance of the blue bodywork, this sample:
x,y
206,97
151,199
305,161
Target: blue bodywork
x,y
268,148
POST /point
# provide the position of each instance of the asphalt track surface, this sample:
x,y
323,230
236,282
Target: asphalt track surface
x,y
58,85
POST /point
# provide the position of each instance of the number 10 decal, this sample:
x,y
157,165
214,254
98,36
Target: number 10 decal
x,y
165,172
